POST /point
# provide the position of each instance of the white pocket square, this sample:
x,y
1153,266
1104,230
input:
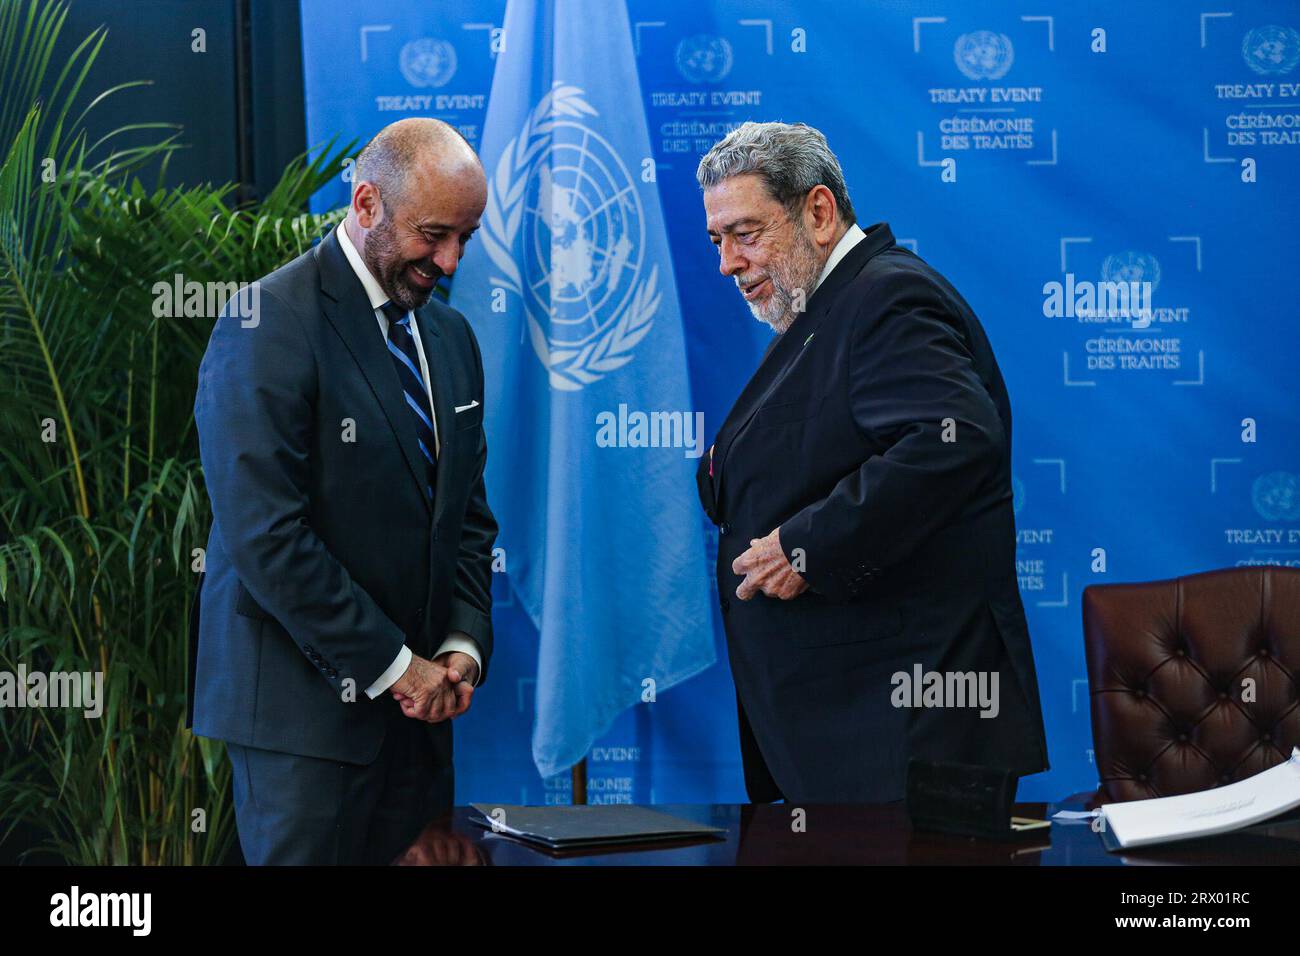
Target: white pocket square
x,y
465,408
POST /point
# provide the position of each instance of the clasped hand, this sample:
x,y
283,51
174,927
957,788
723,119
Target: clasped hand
x,y
438,689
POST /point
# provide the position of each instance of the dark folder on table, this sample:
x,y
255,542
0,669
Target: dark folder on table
x,y
576,827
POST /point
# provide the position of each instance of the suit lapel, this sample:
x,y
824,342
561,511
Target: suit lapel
x,y
780,356
348,310
443,409
770,373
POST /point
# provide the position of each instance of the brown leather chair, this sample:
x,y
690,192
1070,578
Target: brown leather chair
x,y
1169,671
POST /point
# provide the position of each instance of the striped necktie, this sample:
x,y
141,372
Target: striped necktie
x,y
406,358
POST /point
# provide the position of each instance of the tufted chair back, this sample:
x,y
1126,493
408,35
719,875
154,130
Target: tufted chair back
x,y
1195,681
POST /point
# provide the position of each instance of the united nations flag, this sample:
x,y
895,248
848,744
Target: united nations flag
x,y
571,294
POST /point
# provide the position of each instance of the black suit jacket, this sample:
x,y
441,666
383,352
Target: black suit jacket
x,y
876,433
325,554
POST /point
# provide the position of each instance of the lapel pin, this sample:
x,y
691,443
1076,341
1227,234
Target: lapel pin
x,y
807,340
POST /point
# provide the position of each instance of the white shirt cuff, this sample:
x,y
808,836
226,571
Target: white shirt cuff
x,y
460,641
389,677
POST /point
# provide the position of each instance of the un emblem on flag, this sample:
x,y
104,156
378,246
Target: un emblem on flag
x,y
427,62
983,54
704,58
565,227
1131,266
1271,50
1276,496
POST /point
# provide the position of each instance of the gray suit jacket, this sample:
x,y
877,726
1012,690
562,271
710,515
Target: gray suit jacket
x,y
325,555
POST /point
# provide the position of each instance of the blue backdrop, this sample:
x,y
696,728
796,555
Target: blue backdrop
x,y
1012,146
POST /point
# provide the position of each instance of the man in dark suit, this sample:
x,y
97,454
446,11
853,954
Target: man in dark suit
x,y
344,615
861,486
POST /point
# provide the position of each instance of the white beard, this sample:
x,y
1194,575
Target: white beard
x,y
798,270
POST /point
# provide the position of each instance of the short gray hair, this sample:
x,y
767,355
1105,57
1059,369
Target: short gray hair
x,y
790,158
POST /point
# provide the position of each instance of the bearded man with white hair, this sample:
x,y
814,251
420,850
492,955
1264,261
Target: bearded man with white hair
x,y
861,486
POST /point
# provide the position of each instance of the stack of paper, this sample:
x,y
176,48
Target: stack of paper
x,y
1221,810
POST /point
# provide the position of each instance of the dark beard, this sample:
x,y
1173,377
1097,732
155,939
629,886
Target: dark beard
x,y
384,260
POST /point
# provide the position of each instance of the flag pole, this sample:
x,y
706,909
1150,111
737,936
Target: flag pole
x,y
579,773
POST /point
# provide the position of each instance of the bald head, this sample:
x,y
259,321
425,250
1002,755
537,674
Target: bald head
x,y
417,199
418,143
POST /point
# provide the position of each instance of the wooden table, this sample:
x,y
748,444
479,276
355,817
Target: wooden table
x,y
762,835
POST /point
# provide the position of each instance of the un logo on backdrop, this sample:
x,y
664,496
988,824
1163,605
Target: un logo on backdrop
x,y
1131,266
983,54
1276,496
428,62
1271,50
704,59
565,226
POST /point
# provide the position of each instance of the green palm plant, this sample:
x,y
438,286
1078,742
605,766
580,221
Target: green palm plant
x,y
103,514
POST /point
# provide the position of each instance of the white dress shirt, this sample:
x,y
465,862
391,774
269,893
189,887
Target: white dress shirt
x,y
456,640
852,236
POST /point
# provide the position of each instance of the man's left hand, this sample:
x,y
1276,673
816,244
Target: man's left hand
x,y
462,672
766,569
